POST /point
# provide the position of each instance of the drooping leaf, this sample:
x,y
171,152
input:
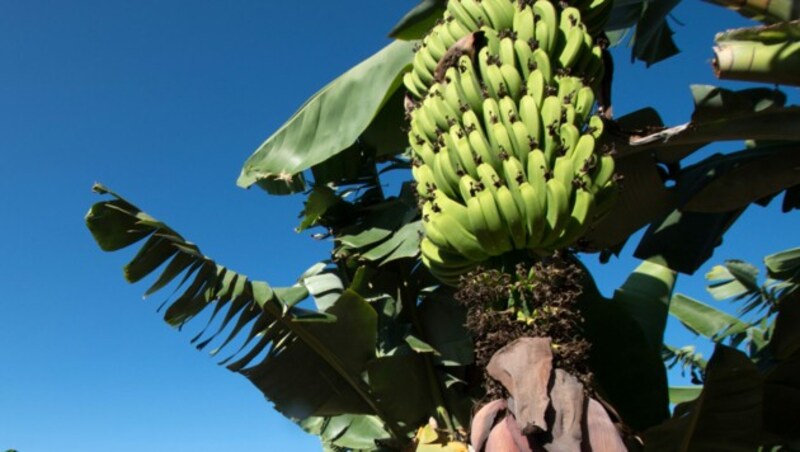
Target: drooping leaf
x,y
329,122
705,320
449,338
681,394
401,386
785,340
726,415
781,399
683,241
653,41
734,279
784,265
643,199
631,376
416,23
712,102
646,296
308,363
318,202
735,180
347,431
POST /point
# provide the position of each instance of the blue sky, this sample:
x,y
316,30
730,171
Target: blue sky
x,y
163,101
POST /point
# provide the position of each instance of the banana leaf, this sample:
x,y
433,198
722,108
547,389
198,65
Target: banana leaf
x,y
726,416
331,121
705,320
630,374
646,296
308,363
652,37
416,23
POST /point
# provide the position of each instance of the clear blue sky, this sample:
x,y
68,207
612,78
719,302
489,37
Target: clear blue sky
x,y
163,101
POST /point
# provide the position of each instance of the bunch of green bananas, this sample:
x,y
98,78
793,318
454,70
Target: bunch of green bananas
x,y
503,134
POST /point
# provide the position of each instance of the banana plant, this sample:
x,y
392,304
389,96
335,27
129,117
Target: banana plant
x,y
369,349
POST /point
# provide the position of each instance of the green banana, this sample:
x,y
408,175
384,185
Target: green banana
x,y
422,148
500,139
480,227
461,15
547,15
514,173
508,111
604,172
583,151
573,47
523,23
551,122
500,12
531,116
468,187
584,103
493,77
412,85
421,65
506,52
494,221
570,18
433,41
535,212
542,61
521,140
512,79
524,57
512,216
462,149
458,30
474,8
470,84
557,211
579,220
426,181
569,137
596,126
444,174
488,177
478,140
562,171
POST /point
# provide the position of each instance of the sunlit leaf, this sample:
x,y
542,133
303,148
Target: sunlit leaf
x,y
329,122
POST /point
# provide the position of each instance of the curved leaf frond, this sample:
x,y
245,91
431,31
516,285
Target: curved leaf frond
x,y
308,363
330,122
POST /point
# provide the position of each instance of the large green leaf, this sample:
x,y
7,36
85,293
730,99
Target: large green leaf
x,y
646,296
417,22
705,320
308,363
329,122
347,431
726,416
652,40
631,375
682,394
443,322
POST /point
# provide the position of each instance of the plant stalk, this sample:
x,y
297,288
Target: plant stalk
x,y
409,302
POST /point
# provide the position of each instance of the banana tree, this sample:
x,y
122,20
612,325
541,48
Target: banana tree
x,y
384,344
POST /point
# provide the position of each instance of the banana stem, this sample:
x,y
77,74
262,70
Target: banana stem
x,y
758,62
409,302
